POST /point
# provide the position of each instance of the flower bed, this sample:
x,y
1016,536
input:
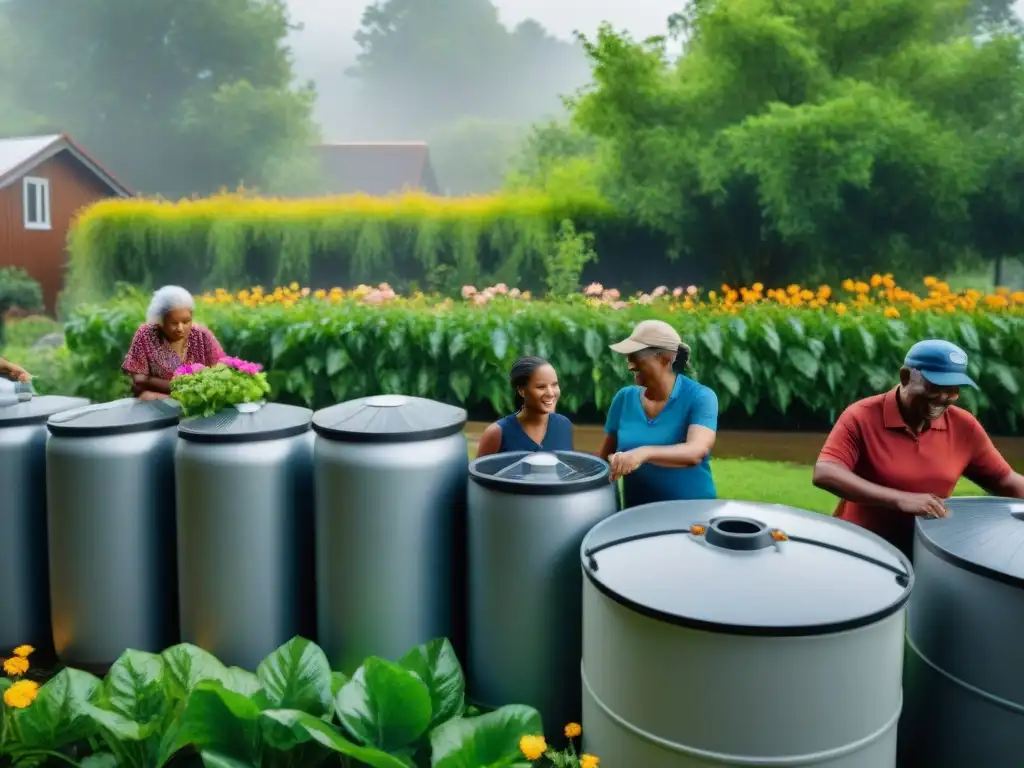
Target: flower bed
x,y
767,352
294,710
203,391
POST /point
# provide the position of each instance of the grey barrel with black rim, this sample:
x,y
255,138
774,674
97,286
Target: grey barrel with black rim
x,y
245,531
528,513
24,575
390,501
965,655
110,488
730,633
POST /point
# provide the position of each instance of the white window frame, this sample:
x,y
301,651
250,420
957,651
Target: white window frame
x,y
32,185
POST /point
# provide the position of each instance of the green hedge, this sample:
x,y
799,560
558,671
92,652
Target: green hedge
x,y
411,241
771,366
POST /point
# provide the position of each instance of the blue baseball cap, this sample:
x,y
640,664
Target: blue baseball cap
x,y
940,362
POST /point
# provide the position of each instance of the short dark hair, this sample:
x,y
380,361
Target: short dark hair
x,y
519,376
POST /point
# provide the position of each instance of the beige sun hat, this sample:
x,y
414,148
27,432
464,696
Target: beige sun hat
x,y
651,334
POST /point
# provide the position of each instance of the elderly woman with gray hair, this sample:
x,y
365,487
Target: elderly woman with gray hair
x,y
169,339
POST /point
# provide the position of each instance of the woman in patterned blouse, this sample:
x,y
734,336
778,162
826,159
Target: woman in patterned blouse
x,y
168,340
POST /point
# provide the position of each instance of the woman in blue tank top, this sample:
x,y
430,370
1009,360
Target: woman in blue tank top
x,y
534,426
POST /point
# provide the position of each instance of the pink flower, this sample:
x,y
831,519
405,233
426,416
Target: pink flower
x,y
646,299
384,288
612,294
188,370
501,288
660,291
481,298
514,293
594,289
387,294
620,305
677,292
467,291
241,365
374,297
691,290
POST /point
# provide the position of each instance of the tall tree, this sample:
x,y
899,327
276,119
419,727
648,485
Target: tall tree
x,y
423,65
177,96
795,140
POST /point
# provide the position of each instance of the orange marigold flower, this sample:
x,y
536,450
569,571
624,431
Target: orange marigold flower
x,y
16,665
533,747
24,651
589,761
573,730
21,694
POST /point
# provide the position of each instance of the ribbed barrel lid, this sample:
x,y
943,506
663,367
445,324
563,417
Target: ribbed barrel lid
x,y
273,421
540,474
746,568
118,417
20,411
389,419
983,534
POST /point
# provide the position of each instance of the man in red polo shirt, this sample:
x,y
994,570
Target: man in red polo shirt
x,y
894,457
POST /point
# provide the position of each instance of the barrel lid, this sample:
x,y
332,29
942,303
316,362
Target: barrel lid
x,y
539,473
741,567
389,419
274,421
983,534
118,417
37,409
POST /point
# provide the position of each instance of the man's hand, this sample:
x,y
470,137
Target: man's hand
x,y
15,372
625,462
922,505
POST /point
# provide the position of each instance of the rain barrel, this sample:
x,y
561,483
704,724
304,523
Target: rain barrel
x,y
25,595
727,633
110,489
390,479
528,514
245,531
964,677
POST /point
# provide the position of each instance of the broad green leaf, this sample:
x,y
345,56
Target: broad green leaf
x,y
297,676
55,717
305,727
499,343
217,760
438,667
771,337
867,343
460,384
969,334
384,705
741,358
337,360
487,741
804,362
338,680
215,719
134,687
241,681
187,666
1007,379
5,683
782,395
729,380
593,344
99,760
712,339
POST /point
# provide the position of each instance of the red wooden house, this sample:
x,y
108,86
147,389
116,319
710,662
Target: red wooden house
x,y
44,181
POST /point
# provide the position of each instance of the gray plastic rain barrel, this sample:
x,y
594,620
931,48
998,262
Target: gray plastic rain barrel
x,y
763,636
245,531
964,678
25,595
110,487
390,501
528,514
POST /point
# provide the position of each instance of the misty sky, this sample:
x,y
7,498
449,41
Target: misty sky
x,y
330,24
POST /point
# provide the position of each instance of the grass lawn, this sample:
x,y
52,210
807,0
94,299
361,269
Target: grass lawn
x,y
788,484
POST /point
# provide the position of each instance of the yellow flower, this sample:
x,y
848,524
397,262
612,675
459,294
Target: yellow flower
x,y
589,761
891,312
848,285
16,665
533,747
21,694
24,651
930,281
573,730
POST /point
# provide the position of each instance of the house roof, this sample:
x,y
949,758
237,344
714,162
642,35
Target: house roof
x,y
18,156
377,168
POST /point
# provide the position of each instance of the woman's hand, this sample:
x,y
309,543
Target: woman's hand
x,y
626,462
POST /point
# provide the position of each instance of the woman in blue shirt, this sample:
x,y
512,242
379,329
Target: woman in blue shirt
x,y
660,432
534,426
